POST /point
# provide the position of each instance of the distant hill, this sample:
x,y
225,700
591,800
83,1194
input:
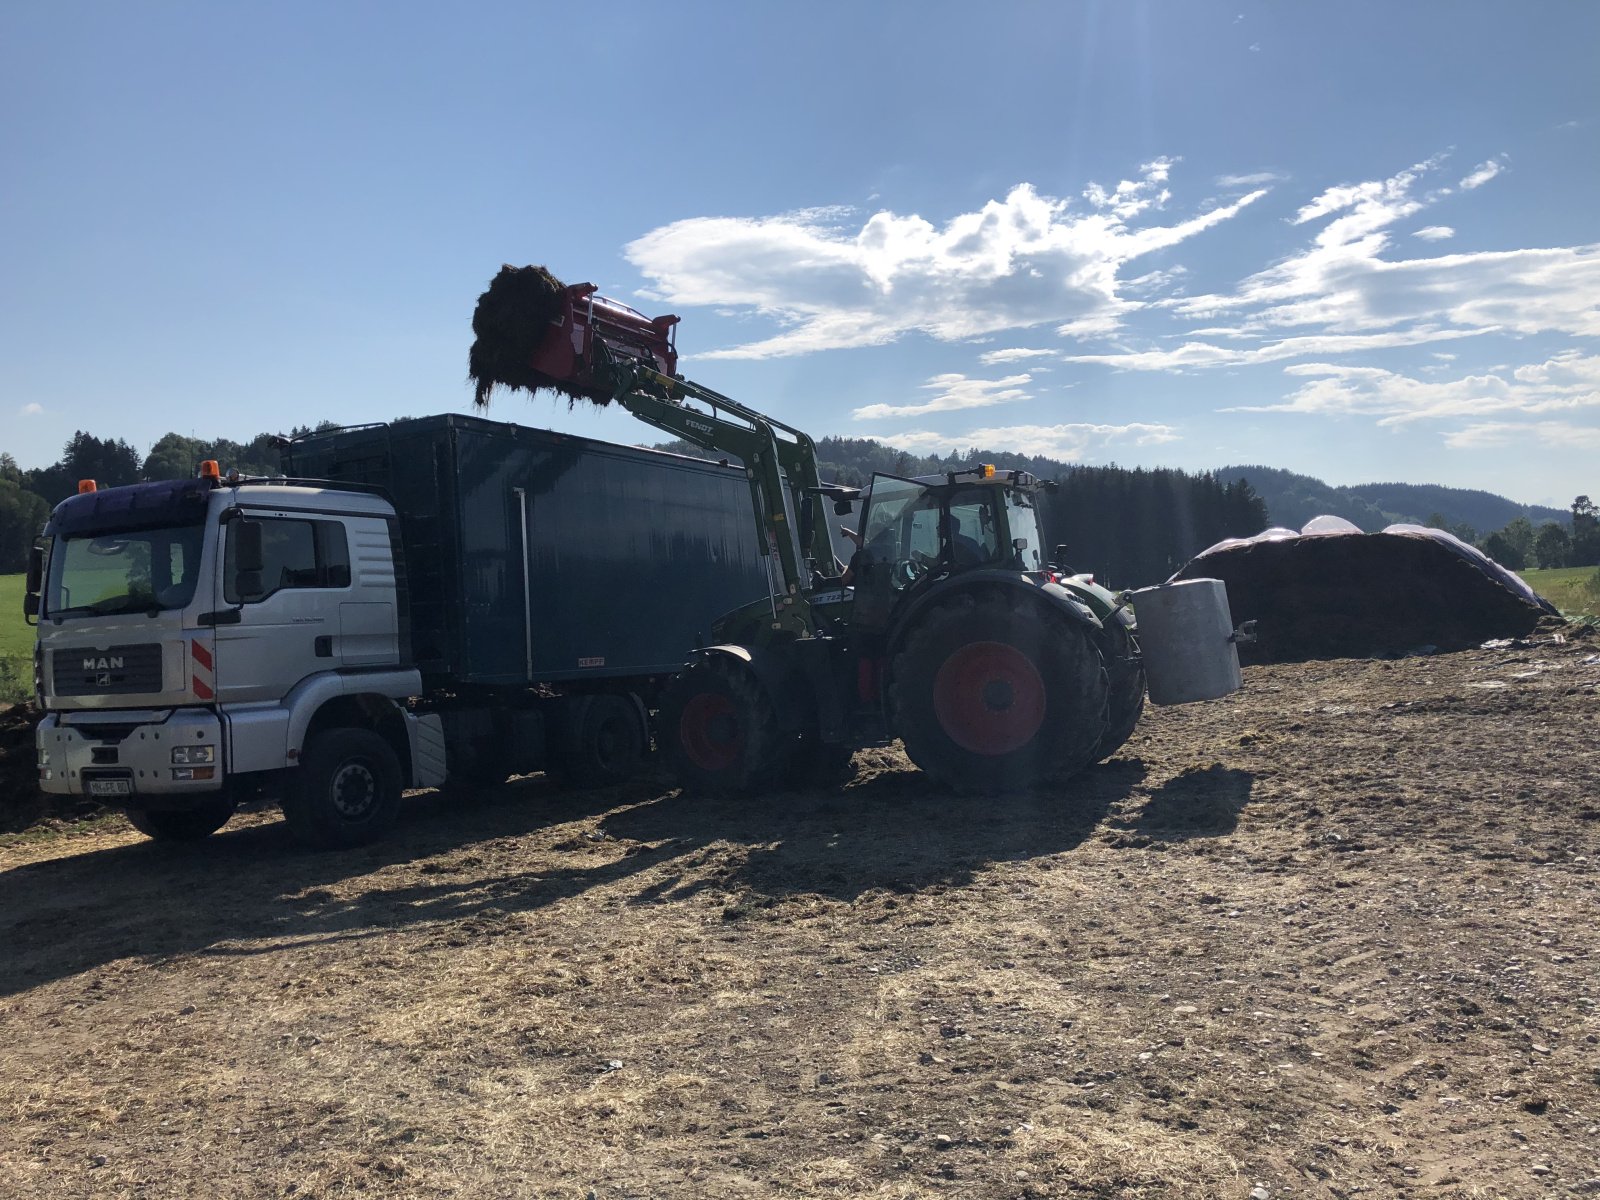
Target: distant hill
x,y
1293,500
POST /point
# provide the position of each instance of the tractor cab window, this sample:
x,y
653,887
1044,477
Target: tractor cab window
x,y
900,533
974,530
1022,526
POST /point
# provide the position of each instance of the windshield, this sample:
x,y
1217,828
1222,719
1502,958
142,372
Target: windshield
x,y
144,570
1023,519
900,517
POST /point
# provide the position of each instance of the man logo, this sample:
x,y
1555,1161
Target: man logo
x,y
110,662
103,680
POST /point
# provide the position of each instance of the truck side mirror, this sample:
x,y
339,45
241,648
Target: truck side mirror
x,y
35,582
35,569
844,507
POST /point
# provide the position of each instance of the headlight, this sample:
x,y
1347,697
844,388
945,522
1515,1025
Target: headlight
x,y
194,754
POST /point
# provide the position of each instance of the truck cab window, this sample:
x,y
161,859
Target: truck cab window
x,y
294,554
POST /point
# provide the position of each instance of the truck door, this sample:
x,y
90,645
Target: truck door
x,y
288,611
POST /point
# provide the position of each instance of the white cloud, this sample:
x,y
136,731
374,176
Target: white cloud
x,y
1557,434
1023,261
1343,283
1565,383
951,393
1254,179
1014,354
31,410
1484,173
1069,443
1434,233
1191,355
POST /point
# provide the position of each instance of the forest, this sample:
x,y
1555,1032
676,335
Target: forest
x,y
1129,526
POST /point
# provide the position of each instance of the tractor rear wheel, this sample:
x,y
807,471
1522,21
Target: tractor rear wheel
x,y
1125,684
719,729
994,691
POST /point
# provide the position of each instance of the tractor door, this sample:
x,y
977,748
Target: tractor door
x,y
899,541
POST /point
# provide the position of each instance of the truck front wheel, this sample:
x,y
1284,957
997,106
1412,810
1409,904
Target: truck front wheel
x,y
182,824
719,729
346,791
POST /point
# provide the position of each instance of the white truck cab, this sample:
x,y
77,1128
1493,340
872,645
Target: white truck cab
x,y
195,637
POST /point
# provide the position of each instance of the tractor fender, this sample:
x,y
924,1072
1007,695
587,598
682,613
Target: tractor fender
x,y
779,675
1053,594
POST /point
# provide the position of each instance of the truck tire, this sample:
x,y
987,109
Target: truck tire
x,y
719,729
604,741
182,824
346,790
1125,688
995,691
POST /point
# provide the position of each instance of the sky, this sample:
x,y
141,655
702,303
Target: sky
x,y
1359,241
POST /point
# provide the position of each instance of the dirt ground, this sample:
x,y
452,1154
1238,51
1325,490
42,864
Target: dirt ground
x,y
1336,936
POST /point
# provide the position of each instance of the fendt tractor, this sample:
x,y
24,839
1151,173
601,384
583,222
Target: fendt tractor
x,y
950,629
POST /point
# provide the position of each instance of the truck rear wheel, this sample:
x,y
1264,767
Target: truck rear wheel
x,y
346,791
1125,687
995,691
604,743
719,729
182,824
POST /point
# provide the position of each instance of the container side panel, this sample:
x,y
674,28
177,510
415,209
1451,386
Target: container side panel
x,y
633,559
488,470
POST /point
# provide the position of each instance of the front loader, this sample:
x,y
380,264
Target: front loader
x,y
949,629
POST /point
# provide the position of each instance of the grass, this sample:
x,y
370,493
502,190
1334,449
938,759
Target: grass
x,y
16,643
1574,590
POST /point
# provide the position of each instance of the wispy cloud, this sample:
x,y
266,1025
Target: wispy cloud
x,y
1070,443
951,393
1484,173
1556,434
1254,179
1024,261
1564,383
1015,354
1434,233
1192,355
31,410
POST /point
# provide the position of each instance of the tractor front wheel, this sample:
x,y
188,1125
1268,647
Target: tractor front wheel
x,y
719,729
1125,683
994,691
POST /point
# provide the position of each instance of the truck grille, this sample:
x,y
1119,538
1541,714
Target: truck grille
x,y
115,670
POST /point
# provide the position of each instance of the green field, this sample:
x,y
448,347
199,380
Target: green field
x,y
16,642
1574,590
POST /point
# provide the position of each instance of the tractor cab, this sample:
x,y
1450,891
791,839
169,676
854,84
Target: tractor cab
x,y
915,532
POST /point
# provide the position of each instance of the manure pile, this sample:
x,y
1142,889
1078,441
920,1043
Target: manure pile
x,y
21,801
511,319
1361,595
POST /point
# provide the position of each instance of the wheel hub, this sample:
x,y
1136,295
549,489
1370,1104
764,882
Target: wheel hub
x,y
354,790
710,733
989,698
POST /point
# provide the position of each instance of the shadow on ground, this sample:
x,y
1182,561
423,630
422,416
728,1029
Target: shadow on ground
x,y
253,891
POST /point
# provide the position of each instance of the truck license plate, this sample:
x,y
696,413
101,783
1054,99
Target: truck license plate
x,y
110,787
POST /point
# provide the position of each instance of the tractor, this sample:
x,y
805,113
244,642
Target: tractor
x,y
949,628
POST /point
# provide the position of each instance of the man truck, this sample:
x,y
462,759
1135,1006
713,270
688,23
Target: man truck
x,y
446,598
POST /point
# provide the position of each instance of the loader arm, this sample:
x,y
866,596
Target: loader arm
x,y
723,425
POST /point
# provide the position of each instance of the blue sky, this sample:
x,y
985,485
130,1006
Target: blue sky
x,y
1360,241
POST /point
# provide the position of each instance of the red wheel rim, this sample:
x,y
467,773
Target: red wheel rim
x,y
989,698
710,732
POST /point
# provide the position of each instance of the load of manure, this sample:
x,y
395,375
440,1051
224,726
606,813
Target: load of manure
x,y
512,318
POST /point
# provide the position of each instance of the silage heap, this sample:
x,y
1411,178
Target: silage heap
x,y
512,318
1362,595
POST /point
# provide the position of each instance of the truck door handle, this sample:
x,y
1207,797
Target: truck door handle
x,y
323,646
